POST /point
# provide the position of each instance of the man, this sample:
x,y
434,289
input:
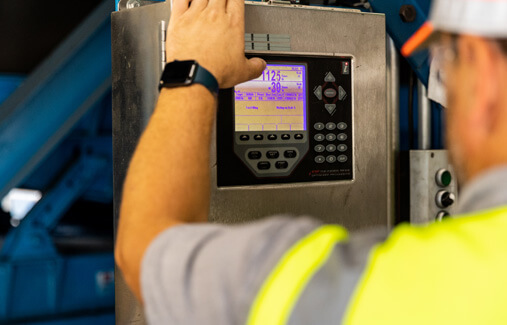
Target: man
x,y
295,270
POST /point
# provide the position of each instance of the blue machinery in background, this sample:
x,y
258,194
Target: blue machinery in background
x,y
55,131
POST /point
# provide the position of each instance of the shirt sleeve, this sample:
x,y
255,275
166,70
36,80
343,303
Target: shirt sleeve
x,y
210,273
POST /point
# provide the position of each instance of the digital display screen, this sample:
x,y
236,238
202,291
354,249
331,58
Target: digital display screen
x,y
275,101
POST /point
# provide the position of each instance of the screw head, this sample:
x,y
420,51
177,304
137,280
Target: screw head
x,y
408,13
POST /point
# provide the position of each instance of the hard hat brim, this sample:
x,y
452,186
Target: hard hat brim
x,y
421,39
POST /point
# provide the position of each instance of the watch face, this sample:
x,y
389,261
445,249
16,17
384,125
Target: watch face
x,y
178,72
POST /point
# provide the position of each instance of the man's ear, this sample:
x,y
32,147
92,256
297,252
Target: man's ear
x,y
479,57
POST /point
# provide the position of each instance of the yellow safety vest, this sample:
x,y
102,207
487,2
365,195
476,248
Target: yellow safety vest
x,y
454,272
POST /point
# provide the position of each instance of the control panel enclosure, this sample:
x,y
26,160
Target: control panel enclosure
x,y
295,125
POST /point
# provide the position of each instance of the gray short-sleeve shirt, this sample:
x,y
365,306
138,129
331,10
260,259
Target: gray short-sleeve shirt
x,y
209,273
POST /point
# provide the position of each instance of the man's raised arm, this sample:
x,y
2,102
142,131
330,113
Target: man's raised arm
x,y
168,179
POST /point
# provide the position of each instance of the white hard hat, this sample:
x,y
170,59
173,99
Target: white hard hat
x,y
487,18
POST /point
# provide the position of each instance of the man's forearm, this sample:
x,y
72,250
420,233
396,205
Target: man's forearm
x,y
168,178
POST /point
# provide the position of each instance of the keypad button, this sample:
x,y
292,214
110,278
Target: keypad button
x,y
342,94
320,159
285,136
329,77
330,137
330,148
272,154
341,126
263,165
290,154
319,148
329,92
330,108
331,159
342,137
254,155
272,137
342,158
342,147
244,137
298,136
330,126
258,137
318,92
318,126
281,165
319,137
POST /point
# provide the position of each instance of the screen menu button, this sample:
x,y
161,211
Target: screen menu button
x,y
254,155
263,165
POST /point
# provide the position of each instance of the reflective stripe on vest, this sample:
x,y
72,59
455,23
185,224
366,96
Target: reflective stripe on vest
x,y
284,285
454,272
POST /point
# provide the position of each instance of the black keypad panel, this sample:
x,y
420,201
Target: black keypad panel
x,y
321,150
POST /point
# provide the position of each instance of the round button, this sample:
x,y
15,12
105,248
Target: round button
x,y
330,93
320,159
330,137
341,126
441,215
319,137
342,137
444,199
342,158
342,147
318,126
331,159
319,148
330,126
331,148
443,177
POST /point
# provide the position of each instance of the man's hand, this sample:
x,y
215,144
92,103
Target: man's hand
x,y
212,33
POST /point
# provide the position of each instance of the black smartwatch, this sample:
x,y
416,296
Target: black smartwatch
x,y
186,73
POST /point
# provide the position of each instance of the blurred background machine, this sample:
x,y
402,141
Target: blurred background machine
x,y
385,166
56,231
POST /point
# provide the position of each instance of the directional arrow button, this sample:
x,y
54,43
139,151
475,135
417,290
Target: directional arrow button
x,y
330,108
329,77
318,92
341,93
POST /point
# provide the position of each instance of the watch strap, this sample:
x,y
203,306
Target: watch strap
x,y
205,78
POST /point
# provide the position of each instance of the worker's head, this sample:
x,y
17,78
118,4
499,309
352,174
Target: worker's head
x,y
469,38
476,82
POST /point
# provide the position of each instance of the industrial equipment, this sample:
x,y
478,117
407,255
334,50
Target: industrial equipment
x,y
312,139
55,136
